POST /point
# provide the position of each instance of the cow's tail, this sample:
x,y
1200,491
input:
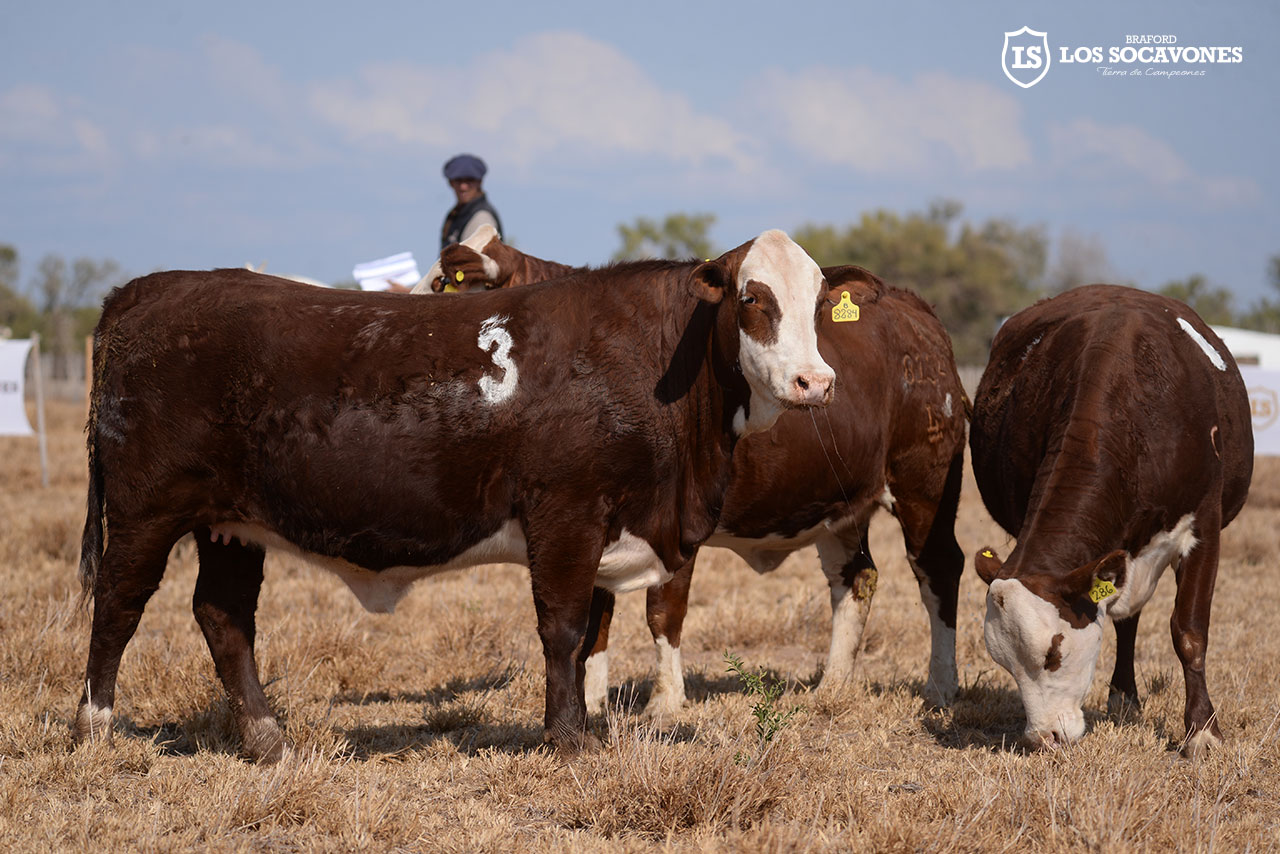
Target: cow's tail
x,y
91,542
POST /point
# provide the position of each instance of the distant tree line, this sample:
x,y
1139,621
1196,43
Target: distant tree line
x,y
61,301
973,274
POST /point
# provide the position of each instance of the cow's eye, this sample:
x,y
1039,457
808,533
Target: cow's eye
x,y
748,300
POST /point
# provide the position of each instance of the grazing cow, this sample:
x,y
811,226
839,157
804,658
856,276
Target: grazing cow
x,y
893,437
583,427
1111,435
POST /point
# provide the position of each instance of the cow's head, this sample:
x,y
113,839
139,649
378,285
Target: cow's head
x,y
473,264
777,290
1046,630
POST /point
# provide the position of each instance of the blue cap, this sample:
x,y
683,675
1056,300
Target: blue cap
x,y
464,166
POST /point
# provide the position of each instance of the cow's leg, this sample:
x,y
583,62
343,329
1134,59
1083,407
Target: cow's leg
x,y
129,572
595,683
1189,625
851,575
225,600
563,557
928,530
665,610
1123,694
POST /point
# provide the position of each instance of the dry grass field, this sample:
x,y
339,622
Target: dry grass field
x,y
421,730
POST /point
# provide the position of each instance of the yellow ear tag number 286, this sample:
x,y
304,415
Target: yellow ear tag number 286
x,y
1101,590
845,311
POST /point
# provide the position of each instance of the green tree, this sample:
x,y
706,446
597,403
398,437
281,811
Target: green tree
x,y
1214,305
67,300
972,274
678,236
1264,315
17,316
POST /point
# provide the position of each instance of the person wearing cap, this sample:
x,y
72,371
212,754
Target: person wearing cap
x,y
464,174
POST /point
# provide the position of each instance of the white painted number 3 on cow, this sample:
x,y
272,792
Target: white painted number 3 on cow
x,y
494,332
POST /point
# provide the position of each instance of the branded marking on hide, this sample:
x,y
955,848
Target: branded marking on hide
x,y
1203,343
494,332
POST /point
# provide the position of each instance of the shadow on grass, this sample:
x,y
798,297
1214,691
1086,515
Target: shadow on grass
x,y
389,740
450,691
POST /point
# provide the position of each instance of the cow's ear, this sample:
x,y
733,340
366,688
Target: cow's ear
x,y
1099,578
988,565
710,281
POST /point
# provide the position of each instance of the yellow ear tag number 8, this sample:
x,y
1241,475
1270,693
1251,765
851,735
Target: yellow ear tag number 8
x,y
450,289
845,311
1101,590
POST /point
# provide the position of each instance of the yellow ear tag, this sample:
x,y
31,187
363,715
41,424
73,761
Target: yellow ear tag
x,y
845,311
459,275
450,289
1101,590
988,553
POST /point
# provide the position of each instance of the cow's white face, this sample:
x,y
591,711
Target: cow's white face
x,y
779,288
1051,660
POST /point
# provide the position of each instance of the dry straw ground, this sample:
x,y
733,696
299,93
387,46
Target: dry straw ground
x,y
421,730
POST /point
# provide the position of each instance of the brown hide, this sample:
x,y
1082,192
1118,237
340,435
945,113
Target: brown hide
x,y
896,422
1092,426
352,426
1098,425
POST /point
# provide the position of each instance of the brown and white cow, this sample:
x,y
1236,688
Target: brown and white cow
x,y
893,437
1111,435
583,427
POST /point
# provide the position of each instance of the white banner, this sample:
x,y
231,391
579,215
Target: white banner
x,y
13,369
377,275
1264,400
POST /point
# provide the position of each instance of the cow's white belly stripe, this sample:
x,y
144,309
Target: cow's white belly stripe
x,y
630,563
764,554
381,591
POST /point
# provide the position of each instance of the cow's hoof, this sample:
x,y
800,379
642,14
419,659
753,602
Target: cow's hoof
x,y
263,741
939,696
834,683
662,707
578,743
1199,744
1123,707
91,724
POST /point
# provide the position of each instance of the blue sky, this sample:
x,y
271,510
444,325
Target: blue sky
x,y
310,136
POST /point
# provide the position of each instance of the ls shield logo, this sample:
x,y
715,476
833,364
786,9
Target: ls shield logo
x,y
1025,57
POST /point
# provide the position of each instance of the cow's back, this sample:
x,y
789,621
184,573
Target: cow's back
x,y
1101,392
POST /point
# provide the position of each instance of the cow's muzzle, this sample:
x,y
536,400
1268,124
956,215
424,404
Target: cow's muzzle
x,y
812,388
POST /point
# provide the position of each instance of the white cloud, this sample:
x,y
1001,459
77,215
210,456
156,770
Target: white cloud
x,y
550,93
40,129
1139,162
877,123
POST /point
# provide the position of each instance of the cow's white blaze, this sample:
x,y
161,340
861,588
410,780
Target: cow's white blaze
x,y
1020,631
476,243
771,369
1021,626
1203,343
630,563
494,336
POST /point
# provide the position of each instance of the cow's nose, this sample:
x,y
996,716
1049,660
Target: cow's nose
x,y
1044,739
814,388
